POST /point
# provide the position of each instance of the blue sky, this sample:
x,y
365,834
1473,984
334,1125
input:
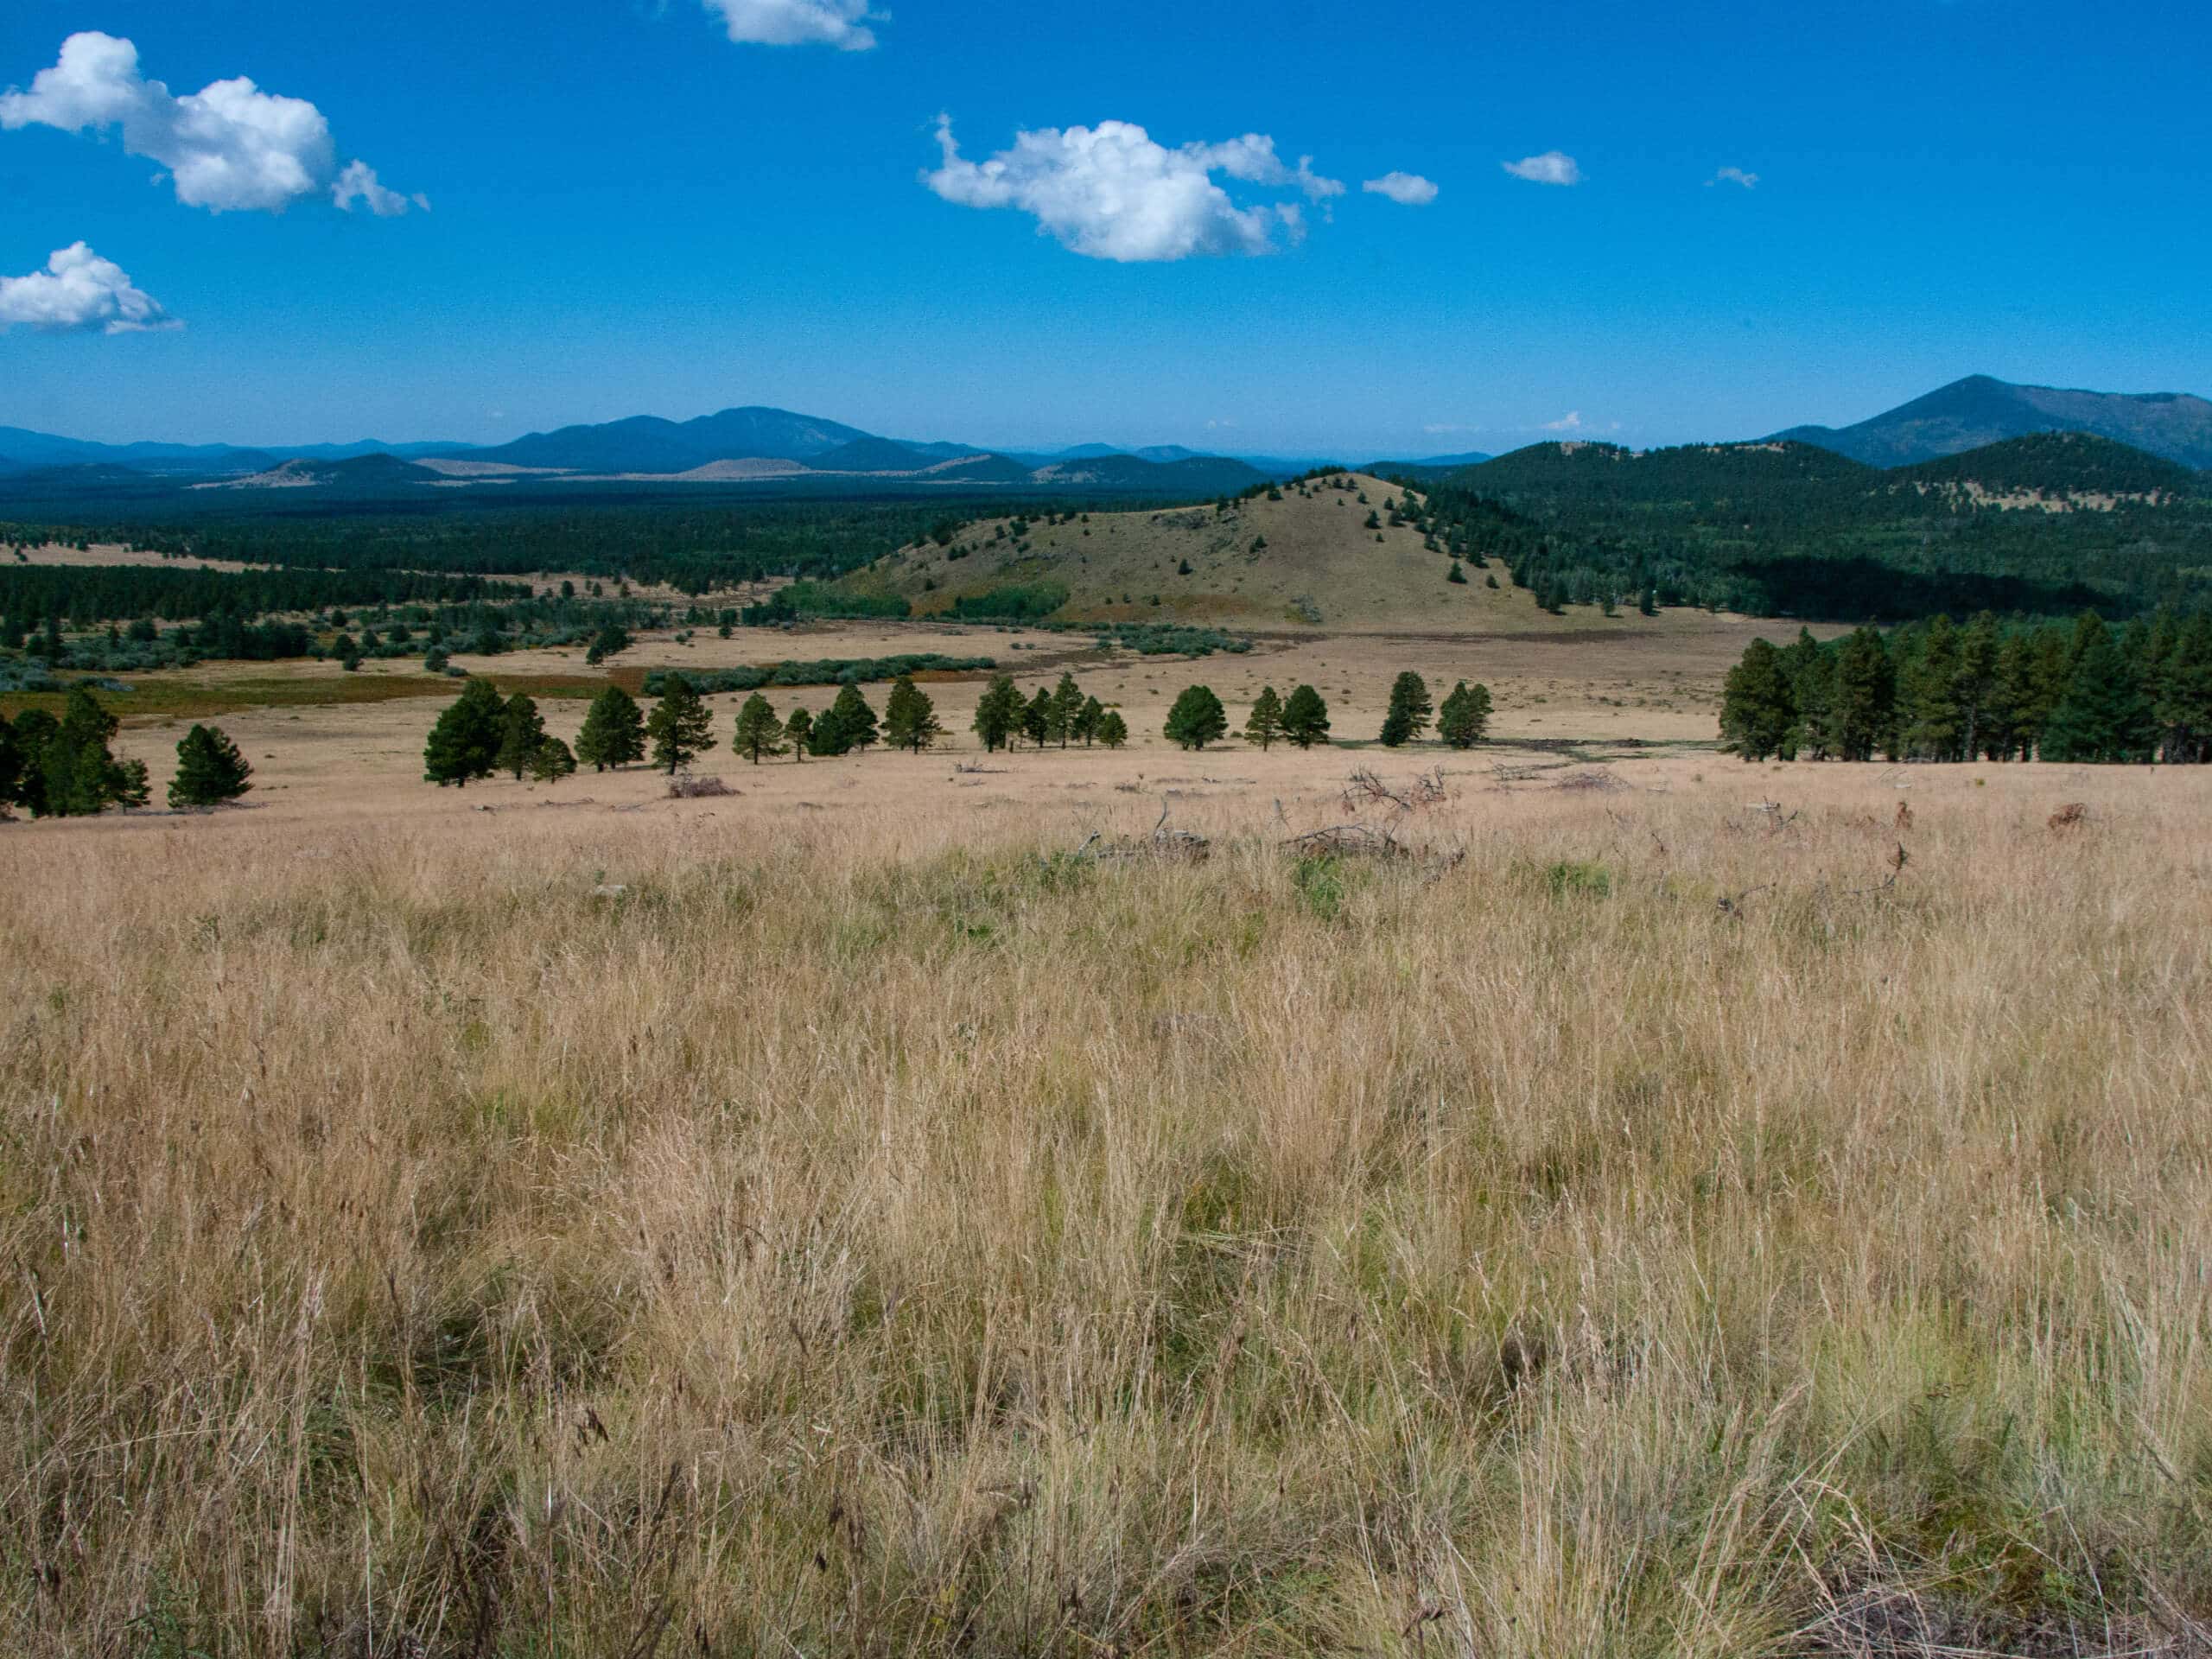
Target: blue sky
x,y
630,210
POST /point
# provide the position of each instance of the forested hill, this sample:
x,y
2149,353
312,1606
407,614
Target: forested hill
x,y
2045,523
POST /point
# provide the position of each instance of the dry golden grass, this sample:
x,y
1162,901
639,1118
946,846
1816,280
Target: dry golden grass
x,y
709,1230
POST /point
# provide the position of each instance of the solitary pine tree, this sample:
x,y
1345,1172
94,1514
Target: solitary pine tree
x,y
1306,718
798,731
1264,724
1113,730
1457,573
998,716
1464,716
1198,718
209,770
613,733
759,731
1408,713
465,743
680,728
910,719
1756,711
522,729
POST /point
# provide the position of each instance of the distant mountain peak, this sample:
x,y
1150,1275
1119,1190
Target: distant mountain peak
x,y
1980,409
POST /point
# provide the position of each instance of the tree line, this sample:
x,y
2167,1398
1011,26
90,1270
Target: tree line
x,y
1993,690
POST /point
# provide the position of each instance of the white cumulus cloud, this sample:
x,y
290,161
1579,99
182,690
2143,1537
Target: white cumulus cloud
x,y
1735,175
1570,422
358,182
1550,168
1109,192
228,147
80,290
841,23
1407,189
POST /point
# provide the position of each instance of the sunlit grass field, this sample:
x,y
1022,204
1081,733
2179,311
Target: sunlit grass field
x,y
1670,1227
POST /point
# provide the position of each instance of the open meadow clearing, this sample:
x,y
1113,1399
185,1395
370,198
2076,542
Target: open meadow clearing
x,y
842,1218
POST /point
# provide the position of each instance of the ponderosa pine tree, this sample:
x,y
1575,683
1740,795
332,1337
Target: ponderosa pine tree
x,y
1037,717
209,770
1306,718
680,728
464,743
551,761
613,733
612,641
847,724
522,729
1198,718
1086,723
2104,715
1408,717
759,731
1863,708
798,731
1065,711
998,714
1756,711
1113,730
910,719
11,767
1264,724
1464,716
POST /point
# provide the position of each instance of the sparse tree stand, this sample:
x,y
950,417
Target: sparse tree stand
x,y
521,729
680,728
1264,724
798,731
209,770
909,717
1409,711
1464,716
1306,718
465,743
1197,719
613,733
759,731
998,716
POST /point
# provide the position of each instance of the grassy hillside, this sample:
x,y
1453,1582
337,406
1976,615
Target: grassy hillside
x,y
1304,556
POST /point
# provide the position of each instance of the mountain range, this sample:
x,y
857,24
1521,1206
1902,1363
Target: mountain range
x,y
754,445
